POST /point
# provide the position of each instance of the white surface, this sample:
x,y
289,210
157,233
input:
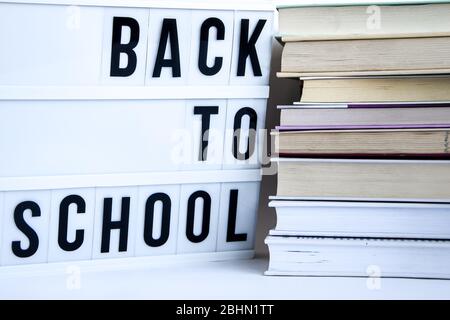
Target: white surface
x,y
212,280
47,49
89,137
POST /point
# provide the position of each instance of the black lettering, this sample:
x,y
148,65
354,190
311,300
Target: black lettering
x,y
127,48
251,140
205,112
247,48
232,236
149,217
206,216
203,51
109,225
64,221
168,30
26,229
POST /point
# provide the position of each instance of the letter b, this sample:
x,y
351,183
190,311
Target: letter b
x,y
127,48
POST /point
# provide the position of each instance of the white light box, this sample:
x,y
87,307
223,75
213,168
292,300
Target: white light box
x,y
39,226
65,137
131,129
93,44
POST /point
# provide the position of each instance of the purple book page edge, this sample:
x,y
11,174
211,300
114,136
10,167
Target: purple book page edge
x,y
398,105
346,127
439,104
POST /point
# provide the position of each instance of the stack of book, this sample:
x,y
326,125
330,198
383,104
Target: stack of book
x,y
363,166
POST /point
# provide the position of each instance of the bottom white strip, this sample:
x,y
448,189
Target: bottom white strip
x,y
116,264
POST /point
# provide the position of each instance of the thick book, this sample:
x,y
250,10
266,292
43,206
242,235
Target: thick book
x,y
361,219
379,142
428,55
375,89
305,22
358,257
367,116
362,179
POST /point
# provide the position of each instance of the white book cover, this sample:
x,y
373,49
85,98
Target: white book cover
x,y
362,219
358,257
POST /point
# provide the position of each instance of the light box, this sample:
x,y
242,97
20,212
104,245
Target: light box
x,y
131,130
128,215
94,42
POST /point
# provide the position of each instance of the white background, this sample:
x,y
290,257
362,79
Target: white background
x,y
236,280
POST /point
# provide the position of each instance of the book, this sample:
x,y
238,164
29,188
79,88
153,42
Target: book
x,y
361,219
375,89
305,22
364,165
358,257
392,104
425,54
344,142
367,116
361,179
370,73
